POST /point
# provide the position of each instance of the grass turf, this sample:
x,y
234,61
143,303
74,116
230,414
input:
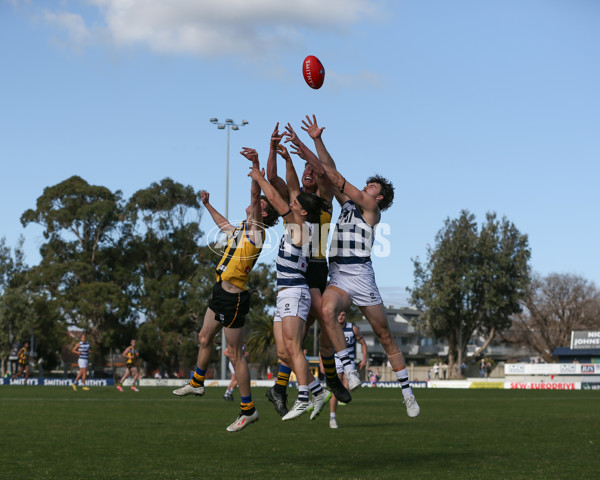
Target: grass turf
x,y
54,432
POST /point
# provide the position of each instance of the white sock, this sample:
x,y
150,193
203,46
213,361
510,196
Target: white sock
x,y
402,377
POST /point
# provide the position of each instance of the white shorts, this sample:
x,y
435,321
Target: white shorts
x,y
360,286
292,302
82,363
231,369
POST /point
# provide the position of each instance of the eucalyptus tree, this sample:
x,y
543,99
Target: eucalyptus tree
x,y
78,272
171,270
473,281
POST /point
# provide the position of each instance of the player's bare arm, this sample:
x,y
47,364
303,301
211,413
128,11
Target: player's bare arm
x,y
219,219
291,176
288,211
366,202
315,132
324,188
255,225
272,176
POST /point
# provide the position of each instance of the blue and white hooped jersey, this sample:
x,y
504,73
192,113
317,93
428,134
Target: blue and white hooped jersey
x,y
292,261
352,239
350,339
350,344
84,350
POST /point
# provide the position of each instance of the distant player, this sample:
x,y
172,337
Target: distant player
x,y
131,369
82,349
23,362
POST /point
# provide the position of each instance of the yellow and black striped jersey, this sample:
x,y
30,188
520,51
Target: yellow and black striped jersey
x,y
239,257
131,354
23,356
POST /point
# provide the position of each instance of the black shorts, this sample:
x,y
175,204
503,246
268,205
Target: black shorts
x,y
316,274
230,308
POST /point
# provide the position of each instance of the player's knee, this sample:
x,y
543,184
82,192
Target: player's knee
x,y
204,340
328,313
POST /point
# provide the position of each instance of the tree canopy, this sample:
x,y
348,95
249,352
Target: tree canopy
x,y
473,281
553,307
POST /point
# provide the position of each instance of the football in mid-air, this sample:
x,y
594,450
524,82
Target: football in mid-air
x,y
313,71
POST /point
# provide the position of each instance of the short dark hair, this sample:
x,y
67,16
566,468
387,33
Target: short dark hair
x,y
313,204
387,191
272,216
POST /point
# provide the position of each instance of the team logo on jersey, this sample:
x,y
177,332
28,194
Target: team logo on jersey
x,y
219,242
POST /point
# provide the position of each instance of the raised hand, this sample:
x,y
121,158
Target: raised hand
x,y
276,136
281,150
311,127
251,155
256,174
205,196
297,151
291,135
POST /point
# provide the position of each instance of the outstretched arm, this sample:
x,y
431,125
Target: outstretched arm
x,y
291,176
313,130
257,212
281,206
347,190
219,219
272,175
323,183
270,191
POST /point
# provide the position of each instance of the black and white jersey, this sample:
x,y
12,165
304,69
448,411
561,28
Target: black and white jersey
x,y
292,260
84,350
352,239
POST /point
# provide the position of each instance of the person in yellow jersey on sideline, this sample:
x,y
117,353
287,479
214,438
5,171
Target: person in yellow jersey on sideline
x,y
23,362
131,369
230,299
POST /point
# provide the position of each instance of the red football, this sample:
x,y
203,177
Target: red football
x,y
313,71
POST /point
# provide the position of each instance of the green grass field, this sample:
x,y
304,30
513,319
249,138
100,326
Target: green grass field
x,y
54,432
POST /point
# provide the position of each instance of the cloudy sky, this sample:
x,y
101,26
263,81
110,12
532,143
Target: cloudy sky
x,y
485,106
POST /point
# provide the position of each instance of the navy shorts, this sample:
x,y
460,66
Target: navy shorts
x,y
230,308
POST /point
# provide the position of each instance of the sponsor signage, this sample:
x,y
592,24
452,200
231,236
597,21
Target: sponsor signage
x,y
487,385
585,340
542,385
590,386
57,382
552,369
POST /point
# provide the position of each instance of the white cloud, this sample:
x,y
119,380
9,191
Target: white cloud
x,y
72,23
253,30
218,27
